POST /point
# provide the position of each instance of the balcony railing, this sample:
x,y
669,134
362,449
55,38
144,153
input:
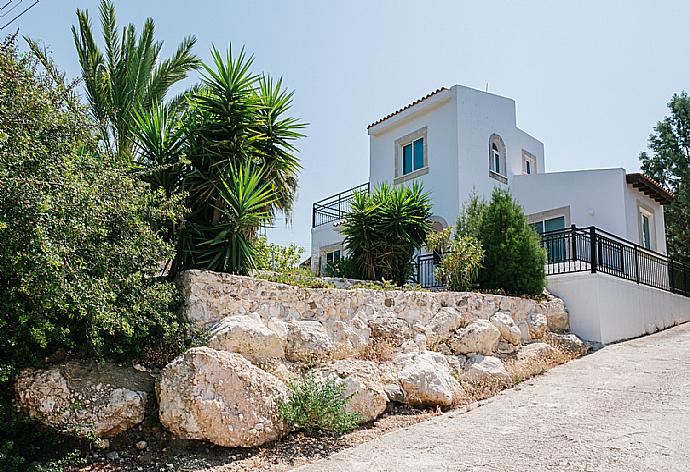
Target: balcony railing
x,y
334,207
592,250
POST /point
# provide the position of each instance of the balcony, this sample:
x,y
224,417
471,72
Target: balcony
x,y
335,207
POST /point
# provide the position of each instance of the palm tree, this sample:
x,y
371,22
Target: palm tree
x,y
128,76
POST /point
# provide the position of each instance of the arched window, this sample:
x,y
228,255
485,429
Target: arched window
x,y
497,159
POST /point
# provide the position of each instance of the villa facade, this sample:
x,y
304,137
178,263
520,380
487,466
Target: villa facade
x,y
603,228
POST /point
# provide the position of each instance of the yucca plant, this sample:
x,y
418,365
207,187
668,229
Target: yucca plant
x,y
383,229
226,245
129,75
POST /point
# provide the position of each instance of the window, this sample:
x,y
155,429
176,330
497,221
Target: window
x,y
413,156
645,228
411,159
529,163
332,257
555,248
497,159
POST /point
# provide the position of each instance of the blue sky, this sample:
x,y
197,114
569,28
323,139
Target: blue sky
x,y
590,78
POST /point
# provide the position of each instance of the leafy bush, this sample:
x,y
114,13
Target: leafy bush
x,y
462,258
514,259
275,257
383,229
318,406
345,267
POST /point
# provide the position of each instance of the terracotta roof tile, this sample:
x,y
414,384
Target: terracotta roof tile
x,y
438,90
650,187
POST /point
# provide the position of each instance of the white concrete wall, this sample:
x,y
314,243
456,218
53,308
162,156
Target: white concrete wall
x,y
633,198
321,236
437,114
595,197
606,309
480,115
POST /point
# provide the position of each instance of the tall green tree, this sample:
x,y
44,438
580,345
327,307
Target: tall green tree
x,y
668,162
129,74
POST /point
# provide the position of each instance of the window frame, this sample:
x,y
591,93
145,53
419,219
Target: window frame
x,y
645,212
531,159
500,174
399,164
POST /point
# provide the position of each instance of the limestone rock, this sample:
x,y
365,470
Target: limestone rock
x,y
426,379
220,397
535,351
247,336
556,315
444,323
568,343
486,369
349,338
536,325
504,323
85,398
480,337
390,329
307,341
362,380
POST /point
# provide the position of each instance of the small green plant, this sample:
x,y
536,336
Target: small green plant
x,y
462,258
318,406
297,277
275,257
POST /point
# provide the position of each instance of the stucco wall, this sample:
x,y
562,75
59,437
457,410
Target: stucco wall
x,y
595,197
606,309
633,198
440,120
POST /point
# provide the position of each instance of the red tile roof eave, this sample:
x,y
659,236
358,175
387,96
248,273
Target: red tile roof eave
x,y
650,187
380,120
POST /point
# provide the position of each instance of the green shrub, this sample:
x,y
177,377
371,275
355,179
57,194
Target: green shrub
x,y
345,268
275,257
81,250
514,259
383,229
461,261
318,406
297,277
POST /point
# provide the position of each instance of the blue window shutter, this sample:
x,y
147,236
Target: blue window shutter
x,y
407,159
418,153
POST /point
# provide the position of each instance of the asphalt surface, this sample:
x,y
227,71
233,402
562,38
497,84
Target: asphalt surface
x,y
624,408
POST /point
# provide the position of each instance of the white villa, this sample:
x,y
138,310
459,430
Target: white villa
x,y
459,140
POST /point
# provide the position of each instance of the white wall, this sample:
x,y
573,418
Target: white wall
x,y
606,309
480,115
595,197
437,113
321,236
633,197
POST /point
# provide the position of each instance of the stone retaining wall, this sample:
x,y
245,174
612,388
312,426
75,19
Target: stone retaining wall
x,y
211,296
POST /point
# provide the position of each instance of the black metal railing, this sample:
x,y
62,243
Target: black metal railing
x,y
425,271
334,207
595,250
590,250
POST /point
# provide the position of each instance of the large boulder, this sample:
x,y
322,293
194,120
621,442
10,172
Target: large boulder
x,y
85,398
481,369
567,343
509,331
248,336
220,397
535,352
349,337
308,341
556,315
426,379
480,337
444,323
390,329
362,381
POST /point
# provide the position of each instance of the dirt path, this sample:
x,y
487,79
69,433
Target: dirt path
x,y
623,408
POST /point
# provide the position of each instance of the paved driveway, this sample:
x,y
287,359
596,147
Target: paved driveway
x,y
623,408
